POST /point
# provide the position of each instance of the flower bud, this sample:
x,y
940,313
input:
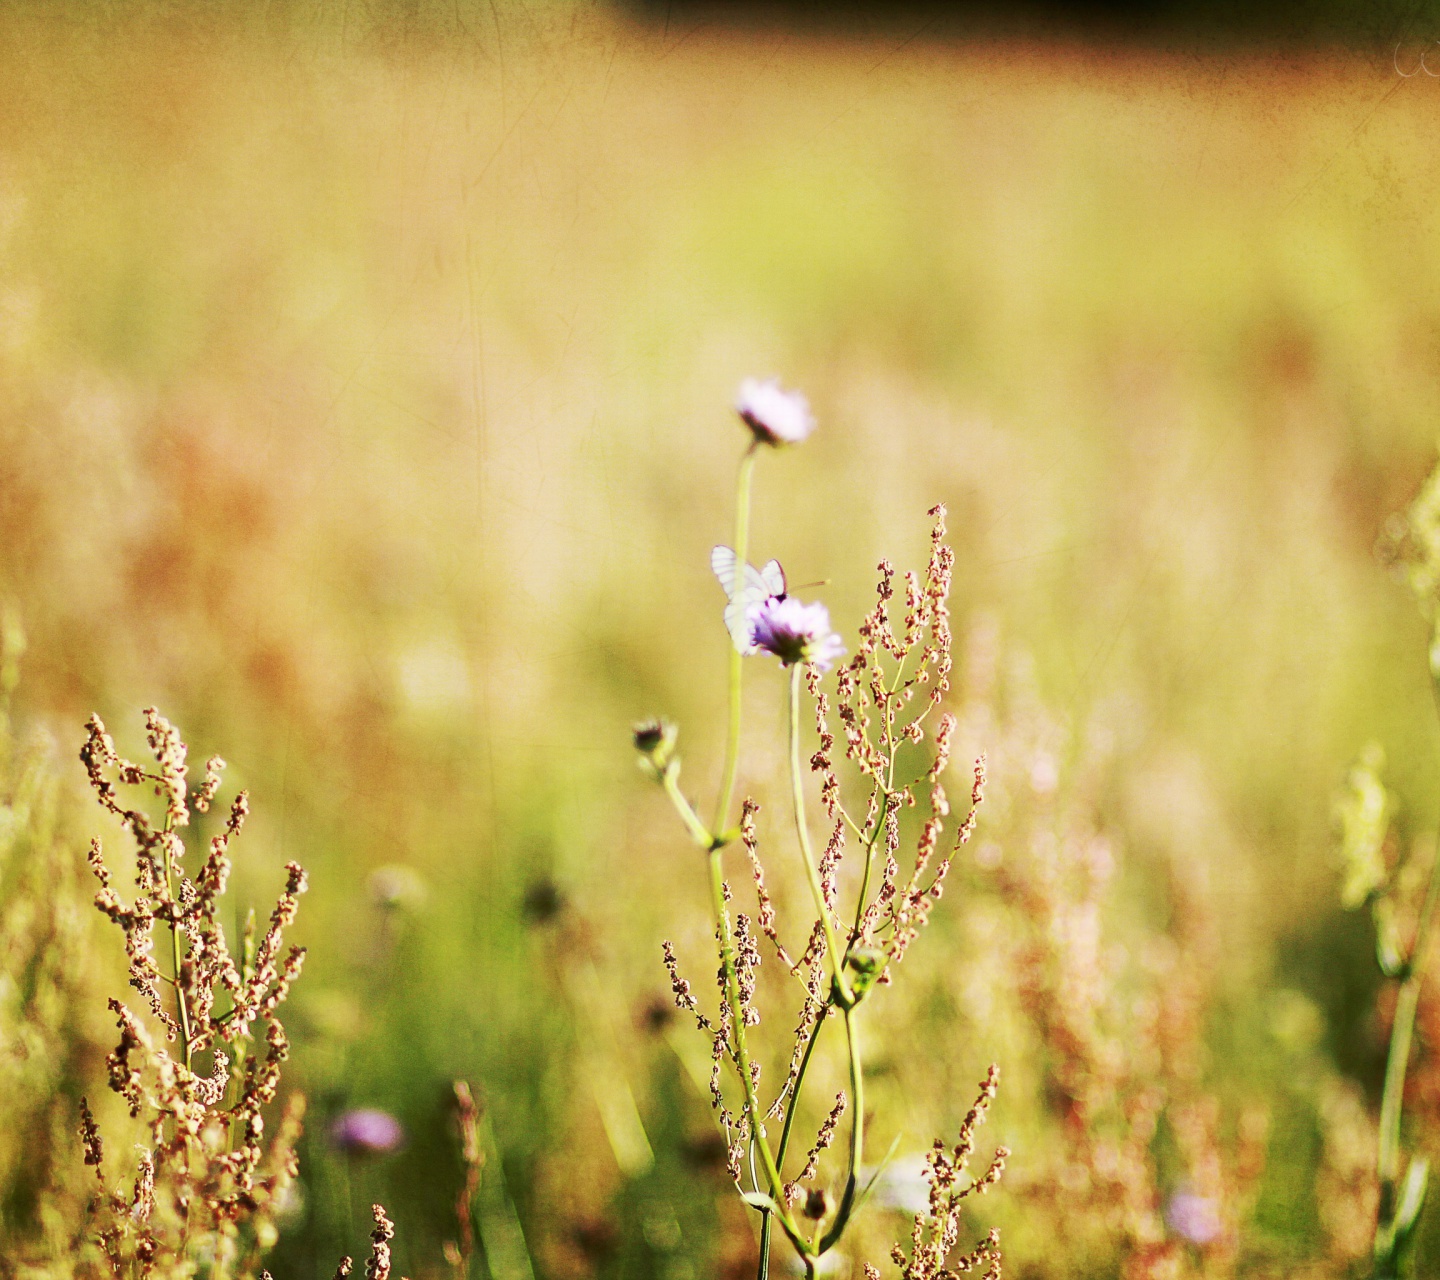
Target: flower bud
x,y
655,741
817,1204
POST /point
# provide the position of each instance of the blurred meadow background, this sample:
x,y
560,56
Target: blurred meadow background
x,y
365,384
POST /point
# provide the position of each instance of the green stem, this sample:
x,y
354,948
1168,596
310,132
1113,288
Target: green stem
x,y
857,1130
865,875
742,1054
732,739
802,833
687,811
790,1109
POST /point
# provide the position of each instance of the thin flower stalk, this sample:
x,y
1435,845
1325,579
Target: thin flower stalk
x,y
731,769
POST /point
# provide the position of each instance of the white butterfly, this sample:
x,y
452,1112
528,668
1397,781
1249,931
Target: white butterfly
x,y
744,591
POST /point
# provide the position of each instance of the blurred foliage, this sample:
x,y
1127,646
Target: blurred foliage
x,y
363,385
51,1012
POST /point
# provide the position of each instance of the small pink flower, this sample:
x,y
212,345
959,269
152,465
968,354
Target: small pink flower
x,y
795,632
775,416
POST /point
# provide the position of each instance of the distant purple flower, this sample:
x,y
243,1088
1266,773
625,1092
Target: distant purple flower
x,y
775,416
795,632
1195,1218
366,1131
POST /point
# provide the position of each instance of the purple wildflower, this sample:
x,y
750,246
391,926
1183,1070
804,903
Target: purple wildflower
x,y
1195,1218
795,632
775,416
366,1131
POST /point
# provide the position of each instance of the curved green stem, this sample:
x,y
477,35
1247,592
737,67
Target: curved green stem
x,y
687,811
802,833
732,738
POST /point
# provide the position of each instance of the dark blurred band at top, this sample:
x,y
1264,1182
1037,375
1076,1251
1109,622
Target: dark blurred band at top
x,y
1361,24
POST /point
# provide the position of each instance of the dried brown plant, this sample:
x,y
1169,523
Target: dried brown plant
x,y
209,1184
459,1251
1122,1039
937,1229
199,1063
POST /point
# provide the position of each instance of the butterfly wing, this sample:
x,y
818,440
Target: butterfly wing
x,y
723,562
745,586
737,619
772,577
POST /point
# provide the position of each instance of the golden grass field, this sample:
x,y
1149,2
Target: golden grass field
x,y
365,393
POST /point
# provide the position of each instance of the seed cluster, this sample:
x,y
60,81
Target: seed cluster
x,y
937,1229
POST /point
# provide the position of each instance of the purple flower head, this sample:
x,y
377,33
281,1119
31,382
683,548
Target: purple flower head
x,y
1194,1218
795,632
775,416
366,1131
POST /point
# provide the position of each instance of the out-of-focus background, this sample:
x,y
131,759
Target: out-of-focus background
x,y
365,384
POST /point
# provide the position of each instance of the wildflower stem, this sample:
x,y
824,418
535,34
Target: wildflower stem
x,y
790,1109
795,1090
837,960
857,1130
742,1053
686,811
732,737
